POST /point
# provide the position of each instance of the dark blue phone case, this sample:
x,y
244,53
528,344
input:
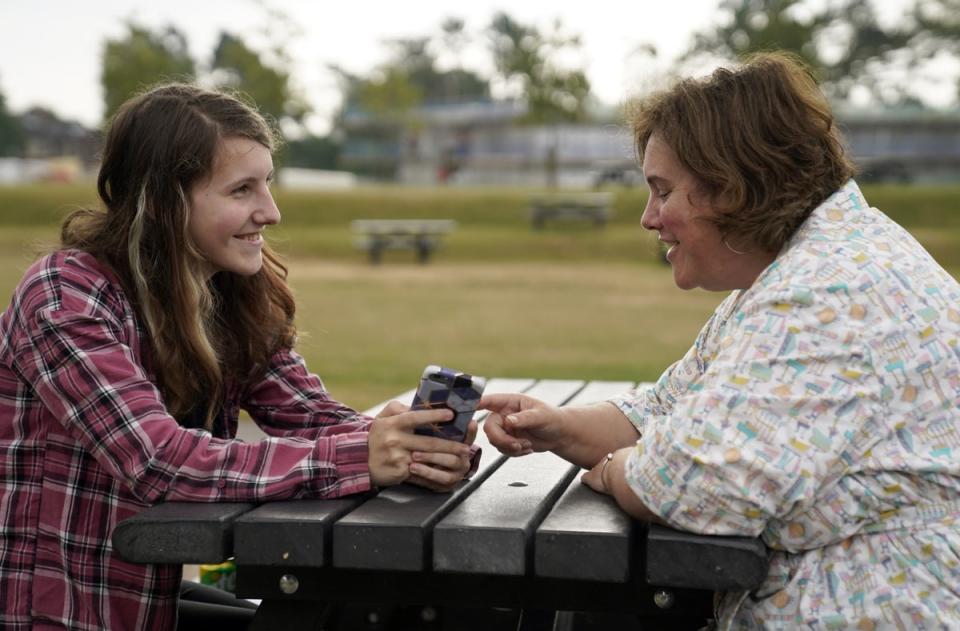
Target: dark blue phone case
x,y
445,388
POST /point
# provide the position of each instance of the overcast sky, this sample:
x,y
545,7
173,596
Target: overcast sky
x,y
50,50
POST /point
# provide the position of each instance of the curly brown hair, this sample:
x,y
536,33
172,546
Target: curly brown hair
x,y
202,331
760,139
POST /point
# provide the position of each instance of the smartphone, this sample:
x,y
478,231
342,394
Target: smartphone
x,y
445,388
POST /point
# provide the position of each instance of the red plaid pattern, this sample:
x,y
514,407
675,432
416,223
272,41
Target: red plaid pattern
x,y
85,442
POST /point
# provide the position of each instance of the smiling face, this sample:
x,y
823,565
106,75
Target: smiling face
x,y
229,210
678,211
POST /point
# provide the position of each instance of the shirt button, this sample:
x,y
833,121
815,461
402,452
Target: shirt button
x,y
221,483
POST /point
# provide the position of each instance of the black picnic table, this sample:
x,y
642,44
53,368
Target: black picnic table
x,y
522,539
423,236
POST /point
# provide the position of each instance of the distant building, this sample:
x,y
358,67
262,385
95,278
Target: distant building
x,y
47,136
484,143
53,150
906,144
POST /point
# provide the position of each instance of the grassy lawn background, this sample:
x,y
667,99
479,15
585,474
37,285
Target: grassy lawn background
x,y
500,299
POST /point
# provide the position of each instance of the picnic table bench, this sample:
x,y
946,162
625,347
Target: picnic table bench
x,y
421,235
523,535
593,207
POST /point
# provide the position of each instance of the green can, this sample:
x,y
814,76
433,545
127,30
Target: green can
x,y
221,575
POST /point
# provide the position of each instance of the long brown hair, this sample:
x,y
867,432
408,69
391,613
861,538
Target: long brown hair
x,y
202,331
760,139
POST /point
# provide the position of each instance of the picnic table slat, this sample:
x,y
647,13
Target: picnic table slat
x,y
682,559
597,391
179,532
566,544
585,536
491,531
555,391
393,530
295,533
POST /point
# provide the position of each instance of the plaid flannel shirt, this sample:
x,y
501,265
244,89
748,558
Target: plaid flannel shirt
x,y
85,442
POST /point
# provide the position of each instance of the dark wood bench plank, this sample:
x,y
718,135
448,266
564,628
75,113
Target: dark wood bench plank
x,y
597,391
295,533
392,530
179,532
491,531
683,559
586,535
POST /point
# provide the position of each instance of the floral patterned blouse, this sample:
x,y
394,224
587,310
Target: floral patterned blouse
x,y
820,410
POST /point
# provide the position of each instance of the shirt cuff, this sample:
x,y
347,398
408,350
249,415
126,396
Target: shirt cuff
x,y
626,405
475,453
351,461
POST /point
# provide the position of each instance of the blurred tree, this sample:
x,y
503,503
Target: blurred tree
x,y
390,94
413,59
409,78
454,38
313,152
140,59
11,139
522,57
237,66
937,31
842,41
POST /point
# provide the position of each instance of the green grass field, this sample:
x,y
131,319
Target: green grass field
x,y
499,300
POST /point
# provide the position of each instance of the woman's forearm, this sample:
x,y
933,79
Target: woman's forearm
x,y
592,431
616,482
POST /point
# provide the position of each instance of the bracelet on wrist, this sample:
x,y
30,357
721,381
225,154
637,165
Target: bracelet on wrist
x,y
603,470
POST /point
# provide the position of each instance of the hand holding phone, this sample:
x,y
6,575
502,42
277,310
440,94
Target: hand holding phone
x,y
445,388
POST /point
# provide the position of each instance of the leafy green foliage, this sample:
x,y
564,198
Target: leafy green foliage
x,y
312,152
937,30
140,59
237,66
521,53
10,134
843,41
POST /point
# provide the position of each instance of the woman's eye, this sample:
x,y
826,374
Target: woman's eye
x,y
241,189
663,195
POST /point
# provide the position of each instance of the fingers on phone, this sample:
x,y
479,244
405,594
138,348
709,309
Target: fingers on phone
x,y
420,418
447,461
438,479
472,429
432,444
393,408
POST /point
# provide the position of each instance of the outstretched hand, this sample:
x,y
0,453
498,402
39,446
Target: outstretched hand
x,y
397,454
519,425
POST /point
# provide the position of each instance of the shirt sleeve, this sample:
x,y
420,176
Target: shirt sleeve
x,y
652,402
765,427
290,401
74,353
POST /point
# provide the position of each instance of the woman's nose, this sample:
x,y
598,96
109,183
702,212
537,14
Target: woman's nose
x,y
650,219
268,214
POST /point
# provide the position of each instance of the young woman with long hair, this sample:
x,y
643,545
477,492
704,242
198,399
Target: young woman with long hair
x,y
127,354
